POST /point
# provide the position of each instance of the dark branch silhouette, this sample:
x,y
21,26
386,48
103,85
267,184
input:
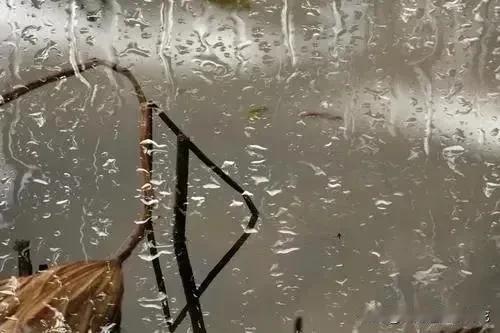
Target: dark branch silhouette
x,y
298,325
181,251
24,266
192,300
146,158
184,146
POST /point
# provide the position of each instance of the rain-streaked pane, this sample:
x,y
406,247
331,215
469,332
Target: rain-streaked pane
x,y
366,133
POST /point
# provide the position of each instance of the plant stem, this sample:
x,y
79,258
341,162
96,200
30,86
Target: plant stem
x,y
181,251
146,158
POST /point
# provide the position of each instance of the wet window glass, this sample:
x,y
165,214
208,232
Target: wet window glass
x,y
249,166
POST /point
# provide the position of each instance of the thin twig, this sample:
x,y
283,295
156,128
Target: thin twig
x,y
321,115
211,276
146,162
181,251
24,265
146,158
238,244
298,325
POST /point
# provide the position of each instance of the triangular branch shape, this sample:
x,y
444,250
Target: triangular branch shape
x,y
192,293
146,159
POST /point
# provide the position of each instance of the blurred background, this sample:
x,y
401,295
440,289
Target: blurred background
x,y
367,132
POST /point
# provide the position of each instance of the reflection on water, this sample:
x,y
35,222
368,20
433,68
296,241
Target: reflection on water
x,y
372,120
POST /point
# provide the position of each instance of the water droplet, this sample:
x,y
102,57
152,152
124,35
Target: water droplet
x,y
235,203
259,179
149,257
211,186
286,251
257,147
273,192
383,204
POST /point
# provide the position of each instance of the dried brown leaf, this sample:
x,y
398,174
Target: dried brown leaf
x,y
79,297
